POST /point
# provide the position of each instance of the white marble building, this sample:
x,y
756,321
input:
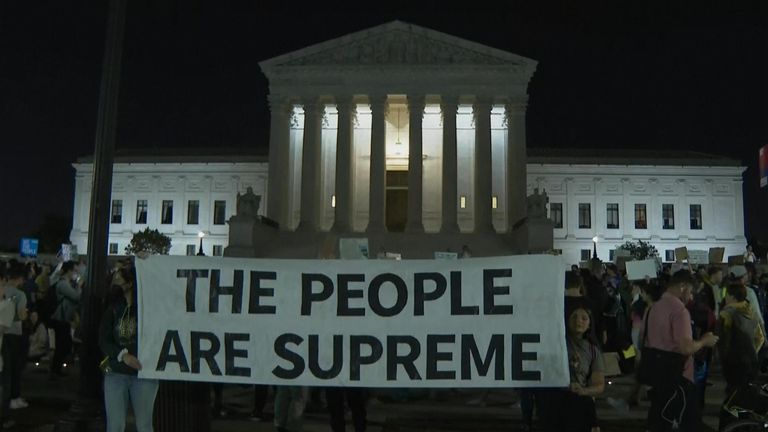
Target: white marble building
x,y
670,199
416,140
178,194
626,192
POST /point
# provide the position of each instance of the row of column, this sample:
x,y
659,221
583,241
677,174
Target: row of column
x,y
311,181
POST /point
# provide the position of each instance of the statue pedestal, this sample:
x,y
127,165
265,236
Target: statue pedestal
x,y
243,233
540,235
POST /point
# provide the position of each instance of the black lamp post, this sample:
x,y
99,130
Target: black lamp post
x,y
594,248
200,251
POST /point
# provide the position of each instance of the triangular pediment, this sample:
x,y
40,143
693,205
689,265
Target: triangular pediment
x,y
398,44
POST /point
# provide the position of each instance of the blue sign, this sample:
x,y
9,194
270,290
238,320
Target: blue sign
x,y
29,247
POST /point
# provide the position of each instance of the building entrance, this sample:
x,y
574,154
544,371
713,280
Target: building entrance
x,y
397,200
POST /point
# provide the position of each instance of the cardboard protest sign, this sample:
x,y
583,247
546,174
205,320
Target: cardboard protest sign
x,y
736,260
637,270
372,323
681,254
446,255
716,255
700,257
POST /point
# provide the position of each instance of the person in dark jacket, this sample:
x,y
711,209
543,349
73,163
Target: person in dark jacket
x,y
118,341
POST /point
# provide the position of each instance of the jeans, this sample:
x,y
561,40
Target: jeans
x,y
118,388
12,366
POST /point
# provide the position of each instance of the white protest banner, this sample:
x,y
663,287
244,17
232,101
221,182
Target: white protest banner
x,y
488,322
698,257
637,270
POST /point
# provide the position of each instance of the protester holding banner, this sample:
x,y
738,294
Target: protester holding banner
x,y
573,409
118,340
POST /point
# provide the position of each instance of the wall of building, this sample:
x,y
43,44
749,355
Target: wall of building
x,y
175,182
717,190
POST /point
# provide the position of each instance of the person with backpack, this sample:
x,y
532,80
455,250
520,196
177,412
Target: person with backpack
x,y
741,338
67,293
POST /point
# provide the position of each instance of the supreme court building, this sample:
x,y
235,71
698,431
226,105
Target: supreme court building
x,y
415,139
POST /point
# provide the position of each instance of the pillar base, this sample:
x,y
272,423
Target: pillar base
x,y
414,228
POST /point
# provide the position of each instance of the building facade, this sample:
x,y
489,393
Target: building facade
x,y
181,196
416,140
669,200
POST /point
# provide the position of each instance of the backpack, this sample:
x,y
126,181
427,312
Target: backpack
x,y
47,306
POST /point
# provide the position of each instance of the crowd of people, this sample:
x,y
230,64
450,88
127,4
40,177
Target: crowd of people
x,y
702,315
677,325
38,322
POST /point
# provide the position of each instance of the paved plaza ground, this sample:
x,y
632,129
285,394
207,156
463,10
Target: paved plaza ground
x,y
446,410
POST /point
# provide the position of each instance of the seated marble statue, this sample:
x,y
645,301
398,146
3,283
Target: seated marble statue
x,y
537,205
248,203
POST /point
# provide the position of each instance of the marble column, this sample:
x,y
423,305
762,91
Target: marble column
x,y
449,106
415,164
344,179
517,180
310,166
483,178
279,156
377,192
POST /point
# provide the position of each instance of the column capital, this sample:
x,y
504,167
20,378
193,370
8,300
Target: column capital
x,y
344,101
312,105
449,104
515,105
279,104
416,102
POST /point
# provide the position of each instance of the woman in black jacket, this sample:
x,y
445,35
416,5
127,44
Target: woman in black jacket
x,y
118,341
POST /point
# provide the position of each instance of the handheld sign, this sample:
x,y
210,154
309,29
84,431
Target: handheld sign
x,y
486,322
637,270
29,247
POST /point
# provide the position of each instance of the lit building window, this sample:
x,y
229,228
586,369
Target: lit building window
x,y
585,215
333,201
641,218
166,217
612,216
193,212
494,202
463,201
556,214
117,211
695,216
219,212
141,211
668,216
669,255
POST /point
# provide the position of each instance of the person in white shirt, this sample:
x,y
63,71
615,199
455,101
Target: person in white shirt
x,y
749,256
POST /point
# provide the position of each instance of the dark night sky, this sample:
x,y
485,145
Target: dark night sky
x,y
653,77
